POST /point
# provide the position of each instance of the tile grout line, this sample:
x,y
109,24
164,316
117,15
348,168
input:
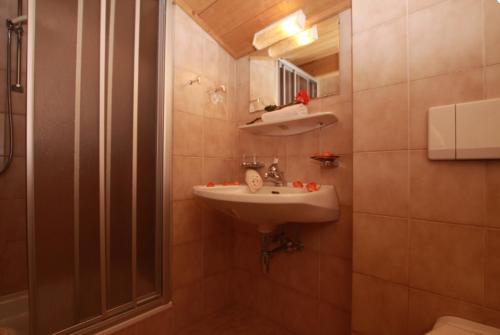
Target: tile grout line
x,y
411,80
427,291
485,165
408,160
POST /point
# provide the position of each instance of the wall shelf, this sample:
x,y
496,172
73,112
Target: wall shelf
x,y
292,126
327,161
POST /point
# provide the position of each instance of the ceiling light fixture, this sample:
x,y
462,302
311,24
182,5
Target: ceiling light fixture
x,y
299,40
288,26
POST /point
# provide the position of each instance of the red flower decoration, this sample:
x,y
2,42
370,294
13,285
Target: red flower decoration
x,y
302,97
312,187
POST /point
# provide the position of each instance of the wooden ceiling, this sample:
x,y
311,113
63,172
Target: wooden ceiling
x,y
232,23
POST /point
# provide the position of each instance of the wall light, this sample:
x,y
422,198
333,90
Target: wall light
x,y
299,40
288,26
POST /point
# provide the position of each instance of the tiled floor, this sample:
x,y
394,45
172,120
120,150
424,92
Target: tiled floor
x,y
235,321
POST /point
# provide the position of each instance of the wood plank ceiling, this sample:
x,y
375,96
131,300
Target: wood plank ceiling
x,y
233,23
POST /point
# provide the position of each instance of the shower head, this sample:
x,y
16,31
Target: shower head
x,y
18,20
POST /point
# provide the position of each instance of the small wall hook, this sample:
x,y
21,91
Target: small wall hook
x,y
195,81
221,88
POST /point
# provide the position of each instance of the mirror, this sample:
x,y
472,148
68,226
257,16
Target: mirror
x,y
276,79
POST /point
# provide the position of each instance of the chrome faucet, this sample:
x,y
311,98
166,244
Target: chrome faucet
x,y
275,175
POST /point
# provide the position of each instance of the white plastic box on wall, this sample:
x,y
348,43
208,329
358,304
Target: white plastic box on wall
x,y
468,130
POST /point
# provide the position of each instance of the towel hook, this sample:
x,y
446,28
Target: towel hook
x,y
195,81
220,88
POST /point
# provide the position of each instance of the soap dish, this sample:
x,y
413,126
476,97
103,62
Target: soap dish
x,y
327,160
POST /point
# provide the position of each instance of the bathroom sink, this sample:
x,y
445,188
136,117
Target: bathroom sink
x,y
272,205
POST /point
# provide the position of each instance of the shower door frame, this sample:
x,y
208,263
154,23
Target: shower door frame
x,y
111,317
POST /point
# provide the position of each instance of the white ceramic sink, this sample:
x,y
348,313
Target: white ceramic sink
x,y
271,205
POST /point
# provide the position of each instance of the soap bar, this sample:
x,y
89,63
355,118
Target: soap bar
x,y
253,180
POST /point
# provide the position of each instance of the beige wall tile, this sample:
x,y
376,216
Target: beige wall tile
x,y
300,313
333,320
381,118
245,255
369,13
217,170
493,194
381,183
314,105
298,271
188,306
302,168
187,134
345,59
309,234
244,288
13,260
263,146
439,40
379,56
336,237
491,317
271,298
492,283
426,308
216,255
492,31
340,176
186,264
211,54
379,307
13,181
222,110
447,259
216,223
189,47
186,221
279,270
303,144
216,293
446,190
381,247
337,138
492,81
335,281
447,44
186,173
219,138
190,98
414,5
436,91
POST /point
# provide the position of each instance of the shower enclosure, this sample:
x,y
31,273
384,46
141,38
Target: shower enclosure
x,y
95,171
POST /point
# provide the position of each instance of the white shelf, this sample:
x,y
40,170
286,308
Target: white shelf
x,y
292,126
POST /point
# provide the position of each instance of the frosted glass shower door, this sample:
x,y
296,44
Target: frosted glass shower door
x,y
96,191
